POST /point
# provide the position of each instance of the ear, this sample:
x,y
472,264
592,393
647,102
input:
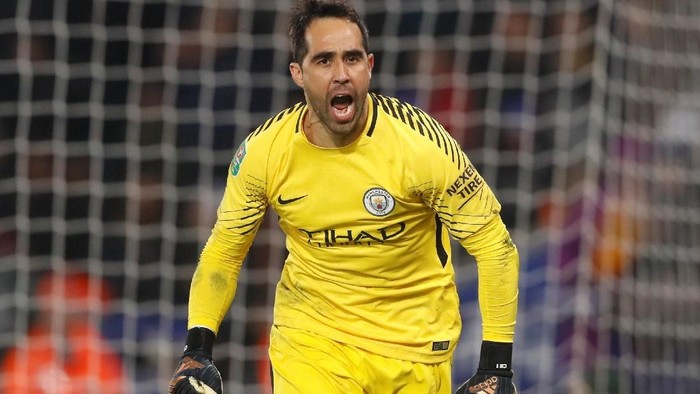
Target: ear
x,y
297,74
370,64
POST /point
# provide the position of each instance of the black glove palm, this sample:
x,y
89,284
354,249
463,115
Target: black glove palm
x,y
196,373
487,384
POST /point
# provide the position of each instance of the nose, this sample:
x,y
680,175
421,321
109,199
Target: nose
x,y
341,73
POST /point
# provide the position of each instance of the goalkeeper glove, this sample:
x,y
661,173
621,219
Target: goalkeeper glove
x,y
494,375
196,373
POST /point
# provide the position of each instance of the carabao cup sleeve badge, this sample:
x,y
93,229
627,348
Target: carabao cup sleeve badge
x,y
238,159
378,202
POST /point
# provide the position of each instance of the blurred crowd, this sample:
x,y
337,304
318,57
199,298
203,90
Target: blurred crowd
x,y
118,121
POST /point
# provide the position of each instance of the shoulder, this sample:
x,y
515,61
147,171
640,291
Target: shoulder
x,y
286,121
268,139
276,131
420,132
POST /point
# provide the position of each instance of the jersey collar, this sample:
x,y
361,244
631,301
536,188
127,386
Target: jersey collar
x,y
372,104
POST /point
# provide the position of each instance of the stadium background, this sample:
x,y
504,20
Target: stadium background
x,y
119,118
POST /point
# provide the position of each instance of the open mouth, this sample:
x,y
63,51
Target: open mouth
x,y
342,105
341,101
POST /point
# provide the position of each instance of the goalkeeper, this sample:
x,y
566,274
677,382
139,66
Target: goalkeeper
x,y
368,191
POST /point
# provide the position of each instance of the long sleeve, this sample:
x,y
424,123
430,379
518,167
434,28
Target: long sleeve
x,y
498,263
239,216
470,211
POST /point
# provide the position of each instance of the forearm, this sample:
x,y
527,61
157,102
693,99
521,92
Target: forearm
x,y
498,296
214,282
498,264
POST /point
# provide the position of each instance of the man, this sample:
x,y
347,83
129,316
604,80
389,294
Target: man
x,y
368,191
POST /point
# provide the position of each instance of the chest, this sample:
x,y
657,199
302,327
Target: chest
x,y
331,196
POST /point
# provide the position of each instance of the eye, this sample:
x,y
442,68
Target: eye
x,y
324,61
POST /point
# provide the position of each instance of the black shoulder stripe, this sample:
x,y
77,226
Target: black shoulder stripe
x,y
419,125
418,120
410,119
444,139
288,111
374,115
382,102
399,109
392,108
280,115
297,125
425,119
461,156
454,153
431,125
267,124
276,118
254,132
450,145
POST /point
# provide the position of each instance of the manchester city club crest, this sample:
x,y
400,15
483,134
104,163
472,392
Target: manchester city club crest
x,y
378,202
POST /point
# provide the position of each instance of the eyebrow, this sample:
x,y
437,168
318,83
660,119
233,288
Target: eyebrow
x,y
329,54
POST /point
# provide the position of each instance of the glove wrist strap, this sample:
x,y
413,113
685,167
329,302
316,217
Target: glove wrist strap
x,y
200,342
496,358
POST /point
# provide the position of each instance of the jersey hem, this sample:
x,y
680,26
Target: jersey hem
x,y
370,345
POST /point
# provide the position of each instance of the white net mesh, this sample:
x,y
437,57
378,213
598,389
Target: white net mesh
x,y
118,119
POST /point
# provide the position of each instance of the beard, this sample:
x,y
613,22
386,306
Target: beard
x,y
322,109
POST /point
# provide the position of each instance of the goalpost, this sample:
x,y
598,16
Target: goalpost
x,y
118,119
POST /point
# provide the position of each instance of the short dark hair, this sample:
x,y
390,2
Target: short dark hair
x,y
305,11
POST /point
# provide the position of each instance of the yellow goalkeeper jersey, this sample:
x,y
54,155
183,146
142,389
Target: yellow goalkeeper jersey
x,y
367,229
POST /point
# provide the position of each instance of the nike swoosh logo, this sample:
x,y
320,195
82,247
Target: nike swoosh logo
x,y
291,200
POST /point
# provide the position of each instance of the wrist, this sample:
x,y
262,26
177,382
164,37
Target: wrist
x,y
199,342
496,358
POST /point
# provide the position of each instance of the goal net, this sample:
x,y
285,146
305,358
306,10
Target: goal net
x,y
118,119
